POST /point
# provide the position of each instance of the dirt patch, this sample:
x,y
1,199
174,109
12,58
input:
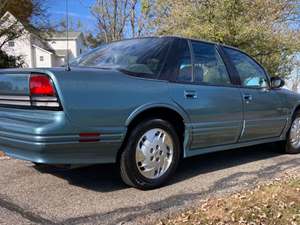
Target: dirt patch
x,y
277,202
2,154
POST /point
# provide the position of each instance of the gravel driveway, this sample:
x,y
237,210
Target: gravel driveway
x,y
95,195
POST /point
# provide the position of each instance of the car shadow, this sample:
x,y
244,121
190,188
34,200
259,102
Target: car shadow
x,y
223,160
105,178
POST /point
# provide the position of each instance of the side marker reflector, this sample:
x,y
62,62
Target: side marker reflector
x,y
89,137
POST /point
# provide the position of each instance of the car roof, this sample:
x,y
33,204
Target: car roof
x,y
183,37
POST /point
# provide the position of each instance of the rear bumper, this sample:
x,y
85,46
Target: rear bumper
x,y
59,149
47,137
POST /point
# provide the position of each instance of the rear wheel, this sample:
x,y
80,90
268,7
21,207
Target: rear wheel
x,y
293,138
151,154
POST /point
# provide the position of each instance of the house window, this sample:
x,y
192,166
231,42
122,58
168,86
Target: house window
x,y
11,44
41,58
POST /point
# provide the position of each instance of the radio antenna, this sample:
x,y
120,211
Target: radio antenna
x,y
67,33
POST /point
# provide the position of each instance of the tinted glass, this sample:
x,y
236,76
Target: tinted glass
x,y
251,74
184,66
141,57
208,65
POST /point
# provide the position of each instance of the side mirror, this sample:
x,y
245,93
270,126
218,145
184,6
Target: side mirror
x,y
277,82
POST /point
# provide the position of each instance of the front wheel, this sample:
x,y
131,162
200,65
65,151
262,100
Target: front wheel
x,y
151,154
293,139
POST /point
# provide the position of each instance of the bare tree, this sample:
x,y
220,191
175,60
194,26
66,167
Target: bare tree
x,y
140,16
119,18
111,17
133,17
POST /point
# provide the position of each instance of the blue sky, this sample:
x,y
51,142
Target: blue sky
x,y
78,9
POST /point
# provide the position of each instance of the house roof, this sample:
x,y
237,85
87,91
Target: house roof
x,y
37,41
63,35
42,49
7,13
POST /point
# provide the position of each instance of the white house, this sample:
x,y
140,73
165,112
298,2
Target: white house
x,y
50,51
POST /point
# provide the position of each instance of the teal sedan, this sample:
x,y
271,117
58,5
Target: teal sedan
x,y
145,104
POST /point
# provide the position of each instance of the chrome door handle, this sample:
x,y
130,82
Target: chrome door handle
x,y
247,98
189,94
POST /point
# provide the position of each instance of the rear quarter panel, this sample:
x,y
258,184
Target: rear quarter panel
x,y
104,100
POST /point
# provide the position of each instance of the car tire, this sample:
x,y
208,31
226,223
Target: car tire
x,y
293,136
151,154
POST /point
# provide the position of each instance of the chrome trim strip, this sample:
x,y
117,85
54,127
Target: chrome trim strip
x,y
46,104
19,103
14,97
243,128
39,101
44,98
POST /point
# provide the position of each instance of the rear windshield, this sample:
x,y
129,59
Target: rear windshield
x,y
139,57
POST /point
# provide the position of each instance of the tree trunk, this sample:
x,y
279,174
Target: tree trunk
x,y
115,13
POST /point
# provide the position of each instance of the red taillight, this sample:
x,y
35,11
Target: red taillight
x,y
42,92
41,85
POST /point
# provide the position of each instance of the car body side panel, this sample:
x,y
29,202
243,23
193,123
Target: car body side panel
x,y
215,115
107,98
265,115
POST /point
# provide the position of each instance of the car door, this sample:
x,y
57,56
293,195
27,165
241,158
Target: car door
x,y
201,85
264,114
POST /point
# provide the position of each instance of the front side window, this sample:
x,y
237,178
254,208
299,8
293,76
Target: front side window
x,y
140,57
251,74
208,65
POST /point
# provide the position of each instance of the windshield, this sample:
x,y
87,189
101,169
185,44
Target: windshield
x,y
140,57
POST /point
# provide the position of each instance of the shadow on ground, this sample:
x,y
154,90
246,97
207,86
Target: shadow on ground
x,y
105,178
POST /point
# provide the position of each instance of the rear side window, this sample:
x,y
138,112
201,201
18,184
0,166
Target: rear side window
x,y
184,67
208,65
142,57
251,73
